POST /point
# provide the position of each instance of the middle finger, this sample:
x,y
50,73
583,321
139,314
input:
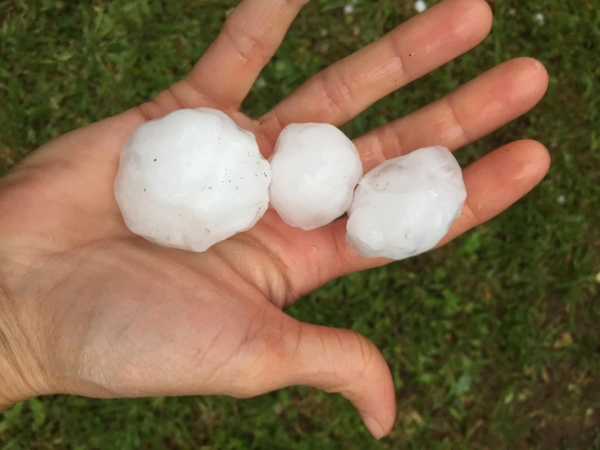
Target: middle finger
x,y
345,89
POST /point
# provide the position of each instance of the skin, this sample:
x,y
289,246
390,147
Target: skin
x,y
88,308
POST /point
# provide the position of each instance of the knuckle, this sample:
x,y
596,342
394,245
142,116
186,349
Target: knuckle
x,y
456,120
362,364
251,49
337,91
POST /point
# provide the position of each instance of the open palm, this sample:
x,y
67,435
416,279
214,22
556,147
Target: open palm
x,y
98,311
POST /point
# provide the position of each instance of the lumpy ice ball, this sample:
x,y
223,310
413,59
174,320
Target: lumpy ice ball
x,y
406,205
192,179
315,170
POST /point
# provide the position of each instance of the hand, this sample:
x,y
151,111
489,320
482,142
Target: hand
x,y
88,308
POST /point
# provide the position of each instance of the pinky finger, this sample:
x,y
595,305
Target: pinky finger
x,y
498,180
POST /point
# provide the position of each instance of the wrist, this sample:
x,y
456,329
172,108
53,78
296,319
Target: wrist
x,y
12,388
20,373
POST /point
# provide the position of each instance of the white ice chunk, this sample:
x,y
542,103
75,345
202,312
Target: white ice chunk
x,y
192,179
406,205
539,18
315,170
349,7
420,6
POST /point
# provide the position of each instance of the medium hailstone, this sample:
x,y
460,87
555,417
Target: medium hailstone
x,y
192,179
315,170
420,6
406,205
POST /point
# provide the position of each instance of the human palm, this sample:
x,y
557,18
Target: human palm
x,y
98,311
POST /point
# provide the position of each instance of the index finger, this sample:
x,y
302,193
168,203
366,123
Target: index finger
x,y
247,42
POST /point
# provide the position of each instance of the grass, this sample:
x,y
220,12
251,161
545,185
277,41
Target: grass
x,y
494,341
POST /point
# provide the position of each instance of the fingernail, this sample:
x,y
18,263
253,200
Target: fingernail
x,y
372,425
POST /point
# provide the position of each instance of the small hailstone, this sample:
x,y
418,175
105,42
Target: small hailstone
x,y
261,83
420,6
539,18
192,179
512,12
315,170
349,7
561,199
406,205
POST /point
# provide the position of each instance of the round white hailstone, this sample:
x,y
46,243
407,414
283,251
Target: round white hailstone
x,y
192,179
420,6
349,7
315,170
406,205
539,18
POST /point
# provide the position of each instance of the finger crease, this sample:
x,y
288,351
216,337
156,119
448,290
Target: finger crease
x,y
206,97
247,46
341,249
337,97
456,120
145,109
270,127
398,52
395,141
470,212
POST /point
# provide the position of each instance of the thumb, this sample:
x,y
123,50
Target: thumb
x,y
343,361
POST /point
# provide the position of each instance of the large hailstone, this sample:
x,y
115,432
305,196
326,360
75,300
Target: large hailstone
x,y
192,179
315,170
406,205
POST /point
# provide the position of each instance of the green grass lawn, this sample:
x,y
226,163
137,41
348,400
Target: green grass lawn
x,y
494,340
